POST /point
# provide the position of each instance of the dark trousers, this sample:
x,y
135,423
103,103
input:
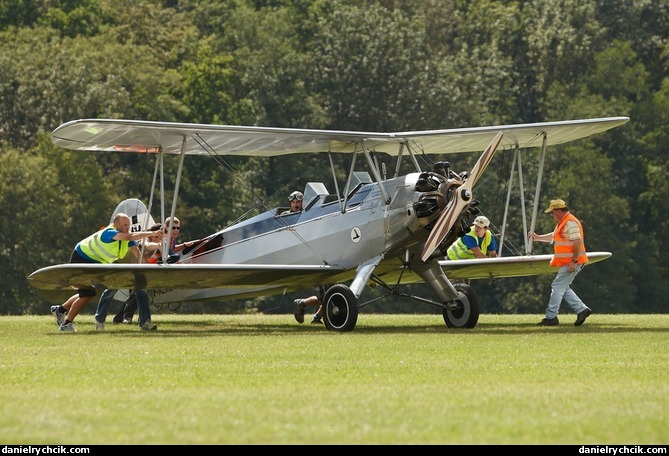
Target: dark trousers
x,y
128,310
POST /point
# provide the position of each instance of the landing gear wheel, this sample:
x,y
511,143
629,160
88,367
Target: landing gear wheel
x,y
340,308
174,306
466,313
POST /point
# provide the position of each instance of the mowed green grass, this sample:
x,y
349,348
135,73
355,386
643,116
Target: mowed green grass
x,y
395,379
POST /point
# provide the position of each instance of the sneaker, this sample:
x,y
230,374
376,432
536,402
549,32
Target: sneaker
x,y
147,326
127,321
67,327
99,325
299,310
317,319
60,316
549,322
580,318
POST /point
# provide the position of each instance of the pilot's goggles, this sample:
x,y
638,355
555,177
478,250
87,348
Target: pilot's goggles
x,y
296,196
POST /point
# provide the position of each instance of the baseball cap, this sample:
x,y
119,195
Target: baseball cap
x,y
482,221
555,204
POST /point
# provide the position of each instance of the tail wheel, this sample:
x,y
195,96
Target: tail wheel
x,y
465,312
340,308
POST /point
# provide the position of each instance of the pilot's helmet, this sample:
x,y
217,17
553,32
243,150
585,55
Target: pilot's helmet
x,y
296,196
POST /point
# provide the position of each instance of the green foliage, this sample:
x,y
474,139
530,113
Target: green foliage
x,y
384,65
30,225
77,78
207,87
631,81
56,199
269,55
75,17
19,13
365,63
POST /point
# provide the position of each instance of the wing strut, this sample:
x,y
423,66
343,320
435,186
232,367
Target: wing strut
x,y
347,187
342,202
161,158
175,197
399,158
153,189
537,191
508,200
363,273
375,170
521,184
521,187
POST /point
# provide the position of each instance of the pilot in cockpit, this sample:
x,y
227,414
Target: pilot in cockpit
x,y
295,200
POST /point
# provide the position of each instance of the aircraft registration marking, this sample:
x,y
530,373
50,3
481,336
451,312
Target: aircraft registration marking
x,y
356,234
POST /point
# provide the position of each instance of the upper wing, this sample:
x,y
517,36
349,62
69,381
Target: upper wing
x,y
503,267
202,139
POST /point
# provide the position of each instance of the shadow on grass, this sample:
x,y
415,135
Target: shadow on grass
x,y
223,326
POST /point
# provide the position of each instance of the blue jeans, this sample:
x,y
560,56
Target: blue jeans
x,y
142,305
560,289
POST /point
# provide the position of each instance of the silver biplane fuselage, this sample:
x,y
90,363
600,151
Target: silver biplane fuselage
x,y
329,232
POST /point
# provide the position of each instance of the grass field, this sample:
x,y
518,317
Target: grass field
x,y
395,379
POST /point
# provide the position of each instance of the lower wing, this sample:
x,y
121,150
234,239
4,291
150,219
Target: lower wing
x,y
503,267
54,283
116,276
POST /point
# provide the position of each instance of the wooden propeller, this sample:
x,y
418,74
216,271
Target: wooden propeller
x,y
461,197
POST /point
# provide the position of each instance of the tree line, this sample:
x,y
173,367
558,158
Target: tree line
x,y
371,65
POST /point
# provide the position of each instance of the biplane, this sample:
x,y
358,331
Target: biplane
x,y
379,227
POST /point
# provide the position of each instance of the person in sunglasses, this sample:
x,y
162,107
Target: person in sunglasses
x,y
174,248
295,200
130,306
